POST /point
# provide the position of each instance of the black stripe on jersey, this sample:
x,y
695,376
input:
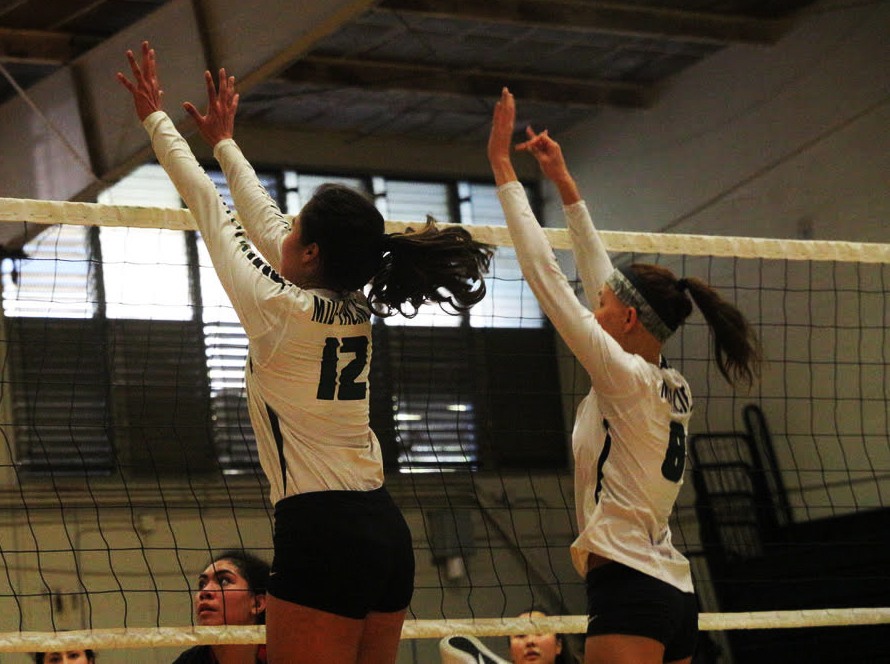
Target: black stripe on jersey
x,y
279,445
607,447
264,268
256,260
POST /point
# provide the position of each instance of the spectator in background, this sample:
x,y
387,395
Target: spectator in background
x,y
552,648
231,591
66,657
539,648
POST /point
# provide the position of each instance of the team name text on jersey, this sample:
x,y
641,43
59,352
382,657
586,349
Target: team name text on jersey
x,y
676,396
343,312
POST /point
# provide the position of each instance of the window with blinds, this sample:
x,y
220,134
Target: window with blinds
x,y
59,399
126,354
105,358
56,280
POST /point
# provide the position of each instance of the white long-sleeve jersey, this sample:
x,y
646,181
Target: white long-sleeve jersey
x,y
629,435
310,350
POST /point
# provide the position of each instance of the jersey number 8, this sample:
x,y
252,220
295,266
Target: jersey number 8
x,y
675,457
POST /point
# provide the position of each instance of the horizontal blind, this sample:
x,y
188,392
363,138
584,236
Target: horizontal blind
x,y
55,280
433,398
160,397
60,398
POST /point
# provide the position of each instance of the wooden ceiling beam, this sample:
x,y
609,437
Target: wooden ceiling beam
x,y
378,75
604,17
41,47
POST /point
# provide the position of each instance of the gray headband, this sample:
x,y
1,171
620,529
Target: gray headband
x,y
628,293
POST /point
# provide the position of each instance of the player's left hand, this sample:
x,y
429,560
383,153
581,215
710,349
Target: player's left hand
x,y
547,152
222,104
146,89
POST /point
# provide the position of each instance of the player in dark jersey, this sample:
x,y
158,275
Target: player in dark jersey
x,y
342,575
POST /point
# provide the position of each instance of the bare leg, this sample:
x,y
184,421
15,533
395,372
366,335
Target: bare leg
x,y
299,635
622,649
380,638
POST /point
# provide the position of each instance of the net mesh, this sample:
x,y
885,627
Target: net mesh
x,y
128,459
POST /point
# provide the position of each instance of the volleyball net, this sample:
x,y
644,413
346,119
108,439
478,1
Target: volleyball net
x,y
128,460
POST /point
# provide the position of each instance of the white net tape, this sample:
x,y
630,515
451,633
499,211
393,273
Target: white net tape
x,y
18,210
424,629
156,637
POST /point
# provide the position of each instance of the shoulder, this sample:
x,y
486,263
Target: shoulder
x,y
675,390
671,376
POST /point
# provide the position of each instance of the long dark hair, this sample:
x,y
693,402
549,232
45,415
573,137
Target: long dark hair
x,y
432,265
736,348
253,569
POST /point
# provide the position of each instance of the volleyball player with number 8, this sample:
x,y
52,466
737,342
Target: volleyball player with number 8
x,y
343,569
630,430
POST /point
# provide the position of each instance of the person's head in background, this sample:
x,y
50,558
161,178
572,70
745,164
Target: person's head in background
x,y
540,648
232,590
65,657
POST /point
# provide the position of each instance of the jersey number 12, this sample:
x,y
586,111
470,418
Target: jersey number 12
x,y
349,390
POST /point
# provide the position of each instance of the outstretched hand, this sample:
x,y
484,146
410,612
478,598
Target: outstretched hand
x,y
501,137
553,165
502,127
222,104
547,152
146,89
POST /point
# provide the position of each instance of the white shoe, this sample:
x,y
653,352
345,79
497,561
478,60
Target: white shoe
x,y
467,650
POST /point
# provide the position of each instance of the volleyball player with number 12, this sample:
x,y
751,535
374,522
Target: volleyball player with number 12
x,y
630,430
343,569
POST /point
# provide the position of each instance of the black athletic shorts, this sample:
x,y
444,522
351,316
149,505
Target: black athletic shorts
x,y
621,600
344,552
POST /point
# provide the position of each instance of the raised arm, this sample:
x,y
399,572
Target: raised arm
x,y
257,211
599,353
232,258
591,258
500,139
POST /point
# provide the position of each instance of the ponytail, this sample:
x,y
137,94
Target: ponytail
x,y
735,346
433,265
736,349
